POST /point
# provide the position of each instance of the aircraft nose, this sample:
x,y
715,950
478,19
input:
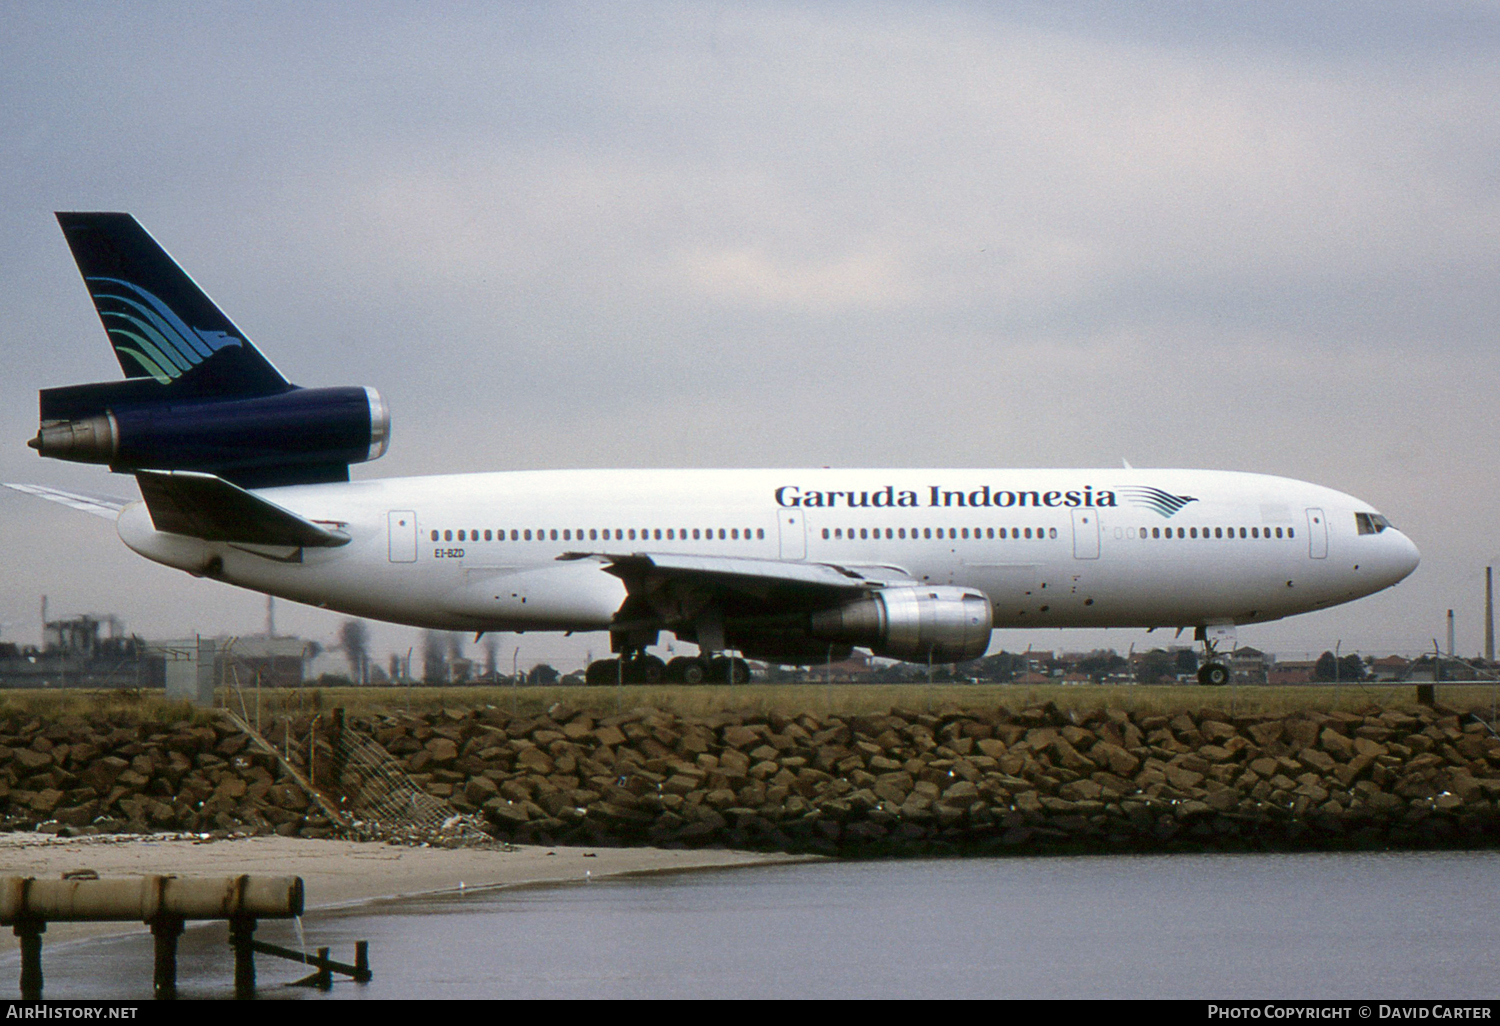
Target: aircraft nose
x,y
1404,556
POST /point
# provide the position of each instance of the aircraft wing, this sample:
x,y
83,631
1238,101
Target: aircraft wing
x,y
208,507
702,597
755,576
103,506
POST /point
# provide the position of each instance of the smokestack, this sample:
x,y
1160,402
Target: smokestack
x,y
1450,634
1489,614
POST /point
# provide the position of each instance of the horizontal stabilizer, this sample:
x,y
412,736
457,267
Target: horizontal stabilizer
x,y
103,506
208,507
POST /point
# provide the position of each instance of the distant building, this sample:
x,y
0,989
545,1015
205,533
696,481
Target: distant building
x,y
271,662
1249,665
74,654
1292,672
243,662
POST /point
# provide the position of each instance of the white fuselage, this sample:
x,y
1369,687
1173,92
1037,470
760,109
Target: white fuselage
x,y
1050,548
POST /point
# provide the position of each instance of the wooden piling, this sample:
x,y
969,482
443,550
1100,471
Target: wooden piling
x,y
242,940
30,931
165,929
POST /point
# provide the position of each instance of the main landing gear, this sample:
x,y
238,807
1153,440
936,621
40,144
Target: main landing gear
x,y
629,668
640,668
1215,670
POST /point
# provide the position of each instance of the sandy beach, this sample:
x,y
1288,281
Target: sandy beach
x,y
336,873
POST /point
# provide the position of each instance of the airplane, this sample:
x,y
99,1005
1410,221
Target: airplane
x,y
244,479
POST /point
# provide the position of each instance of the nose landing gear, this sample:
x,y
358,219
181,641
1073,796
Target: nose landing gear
x,y
1215,669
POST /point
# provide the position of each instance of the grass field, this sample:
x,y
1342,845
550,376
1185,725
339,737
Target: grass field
x,y
786,699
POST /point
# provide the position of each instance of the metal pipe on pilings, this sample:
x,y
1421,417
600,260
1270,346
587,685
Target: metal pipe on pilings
x,y
142,899
27,905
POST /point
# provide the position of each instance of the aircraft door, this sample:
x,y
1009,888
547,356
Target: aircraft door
x,y
793,534
1317,534
1085,534
402,524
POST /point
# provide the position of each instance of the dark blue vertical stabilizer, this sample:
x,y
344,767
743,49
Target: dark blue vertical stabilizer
x,y
162,326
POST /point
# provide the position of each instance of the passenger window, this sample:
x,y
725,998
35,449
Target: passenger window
x,y
486,534
1156,532
554,534
734,534
927,532
825,534
953,534
838,532
1291,533
966,533
567,534
528,535
1278,532
434,536
721,534
1192,532
447,536
1255,532
695,534
1181,533
1028,532
989,532
1242,532
760,533
864,532
1051,532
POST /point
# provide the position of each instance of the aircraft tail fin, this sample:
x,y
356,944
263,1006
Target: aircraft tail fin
x,y
163,327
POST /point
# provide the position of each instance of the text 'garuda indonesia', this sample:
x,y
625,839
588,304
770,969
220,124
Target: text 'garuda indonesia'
x,y
890,496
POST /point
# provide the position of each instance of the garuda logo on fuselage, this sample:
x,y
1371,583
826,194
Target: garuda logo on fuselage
x,y
1162,502
145,329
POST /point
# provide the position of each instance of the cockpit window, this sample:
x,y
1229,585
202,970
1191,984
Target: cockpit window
x,y
1370,523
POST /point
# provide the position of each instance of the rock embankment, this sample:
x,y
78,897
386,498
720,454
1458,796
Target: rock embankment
x,y
1038,779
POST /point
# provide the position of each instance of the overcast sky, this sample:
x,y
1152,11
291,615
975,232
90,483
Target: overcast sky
x,y
1256,237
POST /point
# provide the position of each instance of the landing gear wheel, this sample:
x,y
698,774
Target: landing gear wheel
x,y
722,670
602,672
684,670
1213,674
645,669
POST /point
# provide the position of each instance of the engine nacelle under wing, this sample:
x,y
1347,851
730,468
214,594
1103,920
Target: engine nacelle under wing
x,y
918,624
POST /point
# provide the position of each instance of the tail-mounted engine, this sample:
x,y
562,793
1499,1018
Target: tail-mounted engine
x,y
299,436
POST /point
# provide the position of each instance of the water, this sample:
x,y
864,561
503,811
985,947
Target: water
x,y
1407,925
